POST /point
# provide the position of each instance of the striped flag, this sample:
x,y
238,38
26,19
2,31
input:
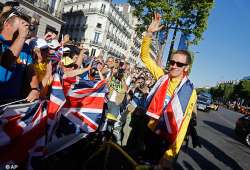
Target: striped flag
x,y
22,133
57,55
85,101
171,116
79,101
55,103
26,128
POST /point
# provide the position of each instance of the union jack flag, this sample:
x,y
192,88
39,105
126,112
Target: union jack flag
x,y
25,129
85,101
79,101
57,55
22,133
170,115
57,100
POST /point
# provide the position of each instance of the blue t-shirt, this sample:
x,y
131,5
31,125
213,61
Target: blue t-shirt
x,y
11,79
25,55
12,89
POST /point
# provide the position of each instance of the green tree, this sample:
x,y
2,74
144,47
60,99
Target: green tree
x,y
187,16
217,92
201,90
242,90
214,93
228,91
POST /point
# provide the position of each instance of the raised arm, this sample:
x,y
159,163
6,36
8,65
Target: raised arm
x,y
152,66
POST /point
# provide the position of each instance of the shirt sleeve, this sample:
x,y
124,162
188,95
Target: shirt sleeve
x,y
151,65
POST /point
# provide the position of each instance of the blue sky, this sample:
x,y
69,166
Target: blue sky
x,y
223,53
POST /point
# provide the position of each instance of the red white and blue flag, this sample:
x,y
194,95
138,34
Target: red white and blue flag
x,y
22,133
26,128
55,103
57,55
85,101
170,115
80,101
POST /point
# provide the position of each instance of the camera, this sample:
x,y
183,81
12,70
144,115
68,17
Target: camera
x,y
26,18
32,27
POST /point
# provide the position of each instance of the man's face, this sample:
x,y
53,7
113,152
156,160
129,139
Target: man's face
x,y
100,65
178,66
140,82
115,70
110,62
12,24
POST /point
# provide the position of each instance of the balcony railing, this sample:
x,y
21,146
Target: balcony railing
x,y
44,6
94,10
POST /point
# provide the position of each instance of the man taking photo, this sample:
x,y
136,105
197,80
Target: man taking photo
x,y
17,76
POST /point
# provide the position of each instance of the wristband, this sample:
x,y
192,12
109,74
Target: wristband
x,y
36,88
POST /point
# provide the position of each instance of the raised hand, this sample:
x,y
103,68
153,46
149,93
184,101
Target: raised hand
x,y
155,24
23,28
6,9
49,36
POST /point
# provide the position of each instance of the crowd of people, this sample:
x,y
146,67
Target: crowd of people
x,y
145,95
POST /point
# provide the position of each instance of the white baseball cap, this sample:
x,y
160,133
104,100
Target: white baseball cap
x,y
38,43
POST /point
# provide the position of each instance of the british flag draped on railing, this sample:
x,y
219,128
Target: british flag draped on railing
x,y
22,133
26,128
85,101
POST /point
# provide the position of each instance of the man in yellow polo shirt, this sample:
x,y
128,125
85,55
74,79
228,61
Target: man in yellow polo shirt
x,y
173,98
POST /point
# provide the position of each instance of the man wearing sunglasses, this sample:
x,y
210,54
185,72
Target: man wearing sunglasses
x,y
169,104
17,79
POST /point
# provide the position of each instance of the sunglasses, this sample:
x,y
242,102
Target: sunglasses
x,y
178,64
15,13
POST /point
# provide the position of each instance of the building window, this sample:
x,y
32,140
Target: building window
x,y
99,25
103,8
92,52
96,38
